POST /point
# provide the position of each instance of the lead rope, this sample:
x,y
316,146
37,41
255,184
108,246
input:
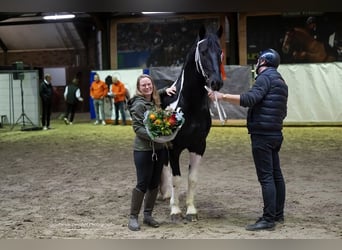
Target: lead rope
x,y
154,154
219,108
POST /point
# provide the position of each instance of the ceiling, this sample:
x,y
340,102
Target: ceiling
x,y
29,31
40,36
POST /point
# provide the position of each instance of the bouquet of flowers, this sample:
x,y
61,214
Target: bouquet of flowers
x,y
162,125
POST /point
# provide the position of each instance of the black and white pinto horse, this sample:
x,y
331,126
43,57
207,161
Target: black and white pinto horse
x,y
201,68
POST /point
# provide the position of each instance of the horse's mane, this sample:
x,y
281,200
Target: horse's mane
x,y
190,53
166,100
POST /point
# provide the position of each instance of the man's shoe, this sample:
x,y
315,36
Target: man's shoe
x,y
279,220
66,121
261,224
103,123
96,122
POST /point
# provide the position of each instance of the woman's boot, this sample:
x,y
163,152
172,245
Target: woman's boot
x,y
137,199
150,199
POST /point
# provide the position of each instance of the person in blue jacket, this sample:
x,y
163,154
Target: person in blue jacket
x,y
267,103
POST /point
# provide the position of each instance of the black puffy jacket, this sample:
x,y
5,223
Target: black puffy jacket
x,y
267,102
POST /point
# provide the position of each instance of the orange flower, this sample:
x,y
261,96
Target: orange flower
x,y
152,117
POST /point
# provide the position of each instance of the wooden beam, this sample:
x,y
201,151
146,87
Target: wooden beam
x,y
242,31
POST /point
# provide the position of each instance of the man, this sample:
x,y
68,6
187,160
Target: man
x,y
72,95
46,94
118,91
323,32
98,91
267,102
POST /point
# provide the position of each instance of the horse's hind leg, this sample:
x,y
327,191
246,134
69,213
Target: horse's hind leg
x,y
191,212
176,213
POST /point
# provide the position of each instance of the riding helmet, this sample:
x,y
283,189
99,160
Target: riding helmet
x,y
271,57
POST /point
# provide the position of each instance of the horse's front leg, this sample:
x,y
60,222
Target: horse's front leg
x,y
176,213
165,183
191,212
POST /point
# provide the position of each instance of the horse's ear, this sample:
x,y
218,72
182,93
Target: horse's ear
x,y
201,32
219,31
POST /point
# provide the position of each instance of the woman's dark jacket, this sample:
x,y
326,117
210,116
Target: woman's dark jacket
x,y
137,106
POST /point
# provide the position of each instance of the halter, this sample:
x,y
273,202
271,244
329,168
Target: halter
x,y
199,62
199,66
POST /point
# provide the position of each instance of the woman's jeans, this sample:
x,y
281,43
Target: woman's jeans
x,y
148,170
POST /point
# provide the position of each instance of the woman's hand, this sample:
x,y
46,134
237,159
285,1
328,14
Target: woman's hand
x,y
171,91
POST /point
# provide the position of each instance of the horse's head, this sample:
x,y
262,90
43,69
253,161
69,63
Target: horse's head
x,y
209,56
296,39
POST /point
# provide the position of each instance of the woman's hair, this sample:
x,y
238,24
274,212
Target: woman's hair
x,y
155,94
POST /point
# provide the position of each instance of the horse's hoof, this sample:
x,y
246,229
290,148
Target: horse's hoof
x,y
191,217
176,218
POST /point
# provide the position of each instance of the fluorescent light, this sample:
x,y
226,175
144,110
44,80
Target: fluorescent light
x,y
153,13
58,17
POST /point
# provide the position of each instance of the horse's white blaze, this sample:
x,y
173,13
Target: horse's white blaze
x,y
195,161
174,201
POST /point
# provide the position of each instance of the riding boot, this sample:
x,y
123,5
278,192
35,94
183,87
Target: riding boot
x,y
150,199
137,199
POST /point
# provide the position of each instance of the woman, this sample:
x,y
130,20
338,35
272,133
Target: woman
x,y
148,168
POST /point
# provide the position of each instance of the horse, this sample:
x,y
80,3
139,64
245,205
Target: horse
x,y
202,67
303,47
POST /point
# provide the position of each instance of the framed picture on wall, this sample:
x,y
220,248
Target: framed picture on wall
x,y
298,37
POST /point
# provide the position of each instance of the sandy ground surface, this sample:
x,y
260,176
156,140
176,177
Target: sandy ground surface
x,y
75,182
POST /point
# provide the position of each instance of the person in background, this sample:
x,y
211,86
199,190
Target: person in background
x,y
267,102
72,95
46,95
98,91
109,82
127,97
148,165
118,92
323,32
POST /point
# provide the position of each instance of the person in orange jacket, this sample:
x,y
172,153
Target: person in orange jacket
x,y
118,91
98,91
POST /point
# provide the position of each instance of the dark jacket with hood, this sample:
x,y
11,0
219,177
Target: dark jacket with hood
x,y
267,102
137,106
